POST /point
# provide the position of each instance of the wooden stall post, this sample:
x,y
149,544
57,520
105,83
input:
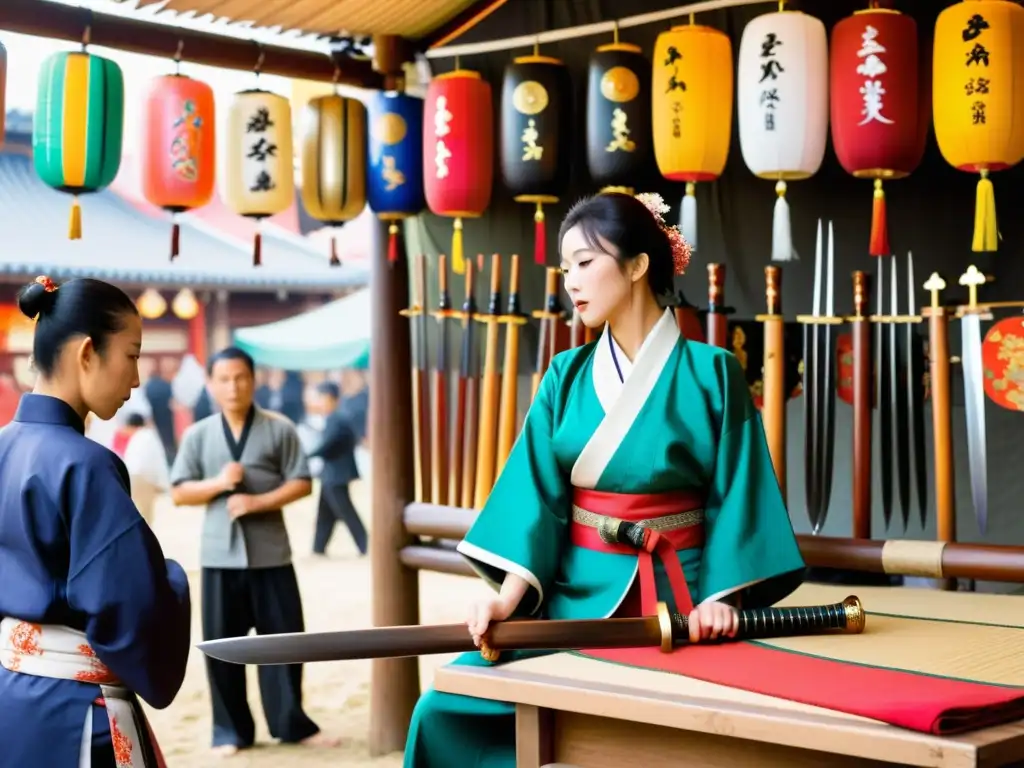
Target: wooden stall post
x,y
394,683
717,320
942,417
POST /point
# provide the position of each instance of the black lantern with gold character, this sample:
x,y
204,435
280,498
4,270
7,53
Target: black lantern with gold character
x,y
618,115
536,115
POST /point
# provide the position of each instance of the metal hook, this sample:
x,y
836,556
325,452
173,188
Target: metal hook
x,y
615,31
259,61
177,56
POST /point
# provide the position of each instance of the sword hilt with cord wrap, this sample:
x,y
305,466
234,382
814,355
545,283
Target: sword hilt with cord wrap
x,y
847,617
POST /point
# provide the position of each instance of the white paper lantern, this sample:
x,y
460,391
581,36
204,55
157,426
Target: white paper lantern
x,y
782,106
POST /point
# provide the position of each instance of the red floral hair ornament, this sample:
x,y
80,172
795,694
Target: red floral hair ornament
x,y
680,248
48,285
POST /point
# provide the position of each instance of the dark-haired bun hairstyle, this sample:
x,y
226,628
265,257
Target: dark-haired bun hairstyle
x,y
37,298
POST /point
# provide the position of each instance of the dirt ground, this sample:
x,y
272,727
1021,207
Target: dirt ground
x,y
336,595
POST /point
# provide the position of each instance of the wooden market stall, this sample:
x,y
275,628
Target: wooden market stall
x,y
433,472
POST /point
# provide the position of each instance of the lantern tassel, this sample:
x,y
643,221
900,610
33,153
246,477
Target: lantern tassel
x,y
392,243
458,262
175,237
75,221
540,237
688,217
986,231
879,243
782,228
257,249
335,261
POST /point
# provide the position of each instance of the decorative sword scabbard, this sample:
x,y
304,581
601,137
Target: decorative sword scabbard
x,y
860,324
773,408
718,313
942,416
974,395
439,468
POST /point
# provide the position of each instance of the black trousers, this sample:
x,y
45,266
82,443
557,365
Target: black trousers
x,y
267,600
336,505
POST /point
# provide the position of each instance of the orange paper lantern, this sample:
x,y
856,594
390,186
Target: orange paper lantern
x,y
178,146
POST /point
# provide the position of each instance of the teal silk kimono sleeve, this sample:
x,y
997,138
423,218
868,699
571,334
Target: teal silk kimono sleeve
x,y
750,549
522,527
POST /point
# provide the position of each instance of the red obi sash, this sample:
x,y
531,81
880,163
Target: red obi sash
x,y
669,522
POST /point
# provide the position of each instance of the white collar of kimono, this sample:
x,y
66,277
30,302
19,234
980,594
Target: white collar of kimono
x,y
622,400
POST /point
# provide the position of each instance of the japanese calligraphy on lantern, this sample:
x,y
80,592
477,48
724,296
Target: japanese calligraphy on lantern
x,y
976,61
620,85
261,147
442,154
620,133
532,150
872,67
675,86
771,68
184,150
393,177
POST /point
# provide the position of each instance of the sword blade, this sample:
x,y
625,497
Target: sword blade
x,y
974,401
884,410
810,429
828,419
900,427
915,398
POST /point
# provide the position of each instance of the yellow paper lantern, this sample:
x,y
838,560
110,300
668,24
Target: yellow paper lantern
x,y
185,305
151,304
691,109
333,152
978,97
260,175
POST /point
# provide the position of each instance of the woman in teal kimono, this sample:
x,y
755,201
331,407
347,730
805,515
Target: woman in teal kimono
x,y
640,425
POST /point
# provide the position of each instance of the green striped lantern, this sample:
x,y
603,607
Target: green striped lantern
x,y
78,126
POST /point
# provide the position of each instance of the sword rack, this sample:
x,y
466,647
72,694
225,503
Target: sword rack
x,y
977,384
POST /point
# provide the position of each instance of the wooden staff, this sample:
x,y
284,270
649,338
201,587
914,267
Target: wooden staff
x,y
417,315
463,456
548,318
775,396
718,323
440,426
863,390
508,417
942,415
489,391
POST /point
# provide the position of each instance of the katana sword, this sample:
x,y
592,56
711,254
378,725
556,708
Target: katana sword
x,y
811,412
666,631
828,388
901,427
883,400
915,396
974,395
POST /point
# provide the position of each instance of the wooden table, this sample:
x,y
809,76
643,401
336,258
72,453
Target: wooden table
x,y
592,714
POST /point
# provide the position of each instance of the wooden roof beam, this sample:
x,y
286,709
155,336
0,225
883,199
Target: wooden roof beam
x,y
64,22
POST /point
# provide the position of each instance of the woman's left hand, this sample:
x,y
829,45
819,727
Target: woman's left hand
x,y
712,620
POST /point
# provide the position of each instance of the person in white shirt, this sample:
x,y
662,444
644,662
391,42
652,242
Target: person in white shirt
x,y
146,460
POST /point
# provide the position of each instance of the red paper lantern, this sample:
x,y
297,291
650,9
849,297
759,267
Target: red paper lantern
x,y
178,146
880,110
458,150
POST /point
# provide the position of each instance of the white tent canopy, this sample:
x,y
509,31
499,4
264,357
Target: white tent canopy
x,y
336,335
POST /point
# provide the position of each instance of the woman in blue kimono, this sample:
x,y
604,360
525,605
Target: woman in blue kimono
x,y
91,613
640,425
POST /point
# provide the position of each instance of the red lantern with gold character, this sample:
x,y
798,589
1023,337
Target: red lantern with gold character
x,y
458,150
880,103
178,146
